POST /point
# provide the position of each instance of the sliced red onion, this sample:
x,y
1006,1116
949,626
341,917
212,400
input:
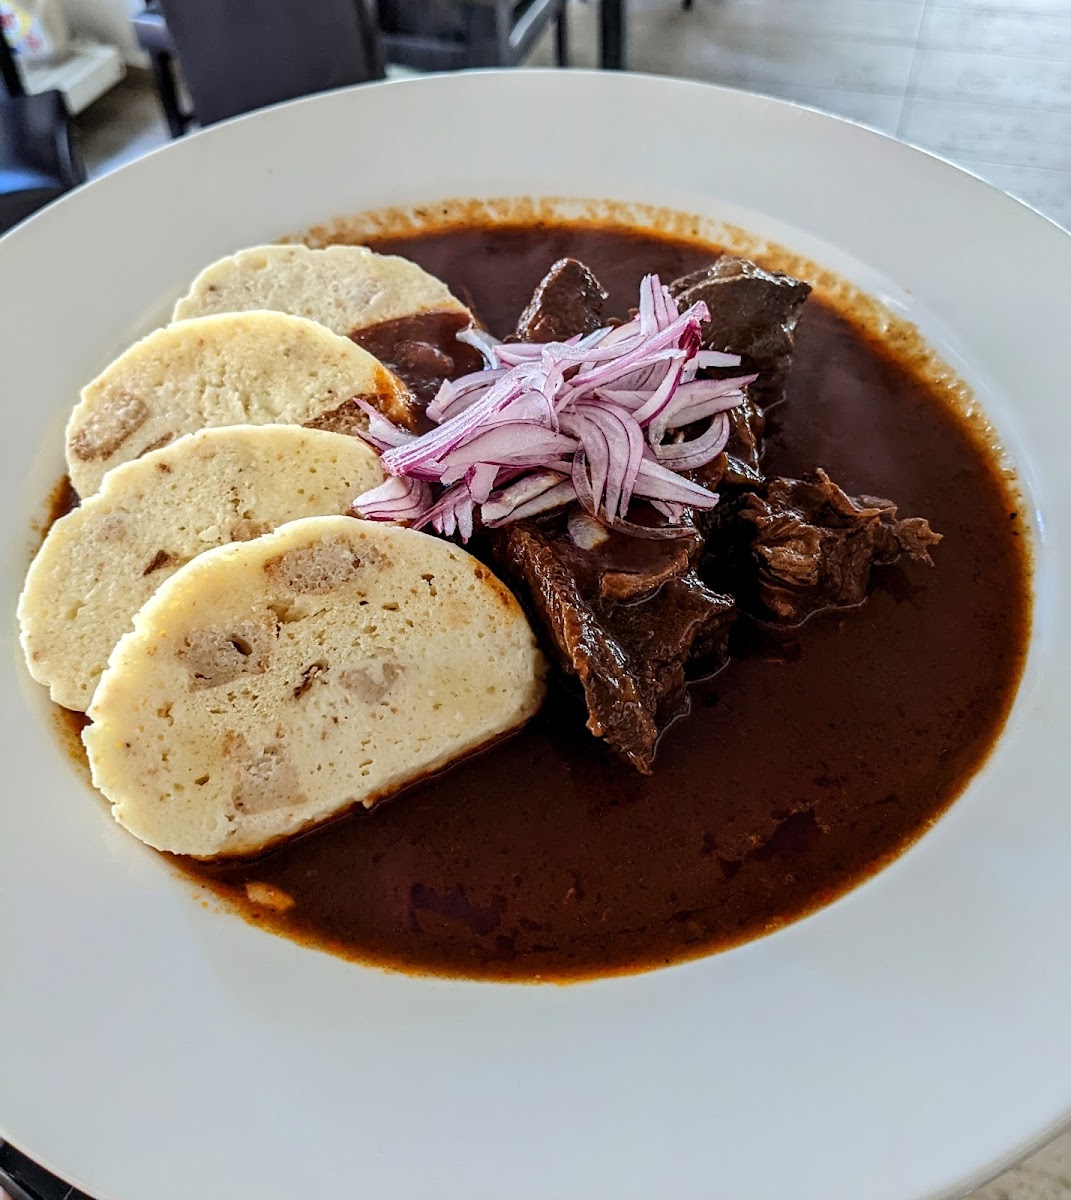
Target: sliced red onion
x,y
686,456
656,482
396,499
581,481
452,433
481,479
451,513
640,354
532,406
465,518
583,420
710,389
594,460
609,341
455,395
536,493
653,533
652,412
593,339
716,358
512,443
587,355
586,532
512,353
633,529
627,376
672,512
483,341
613,444
646,311
704,398
643,379
630,399
664,304
383,434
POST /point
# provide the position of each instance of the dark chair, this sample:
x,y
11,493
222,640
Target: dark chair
x,y
238,55
445,35
155,39
25,1180
38,159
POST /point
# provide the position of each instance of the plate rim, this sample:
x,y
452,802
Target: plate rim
x,y
40,221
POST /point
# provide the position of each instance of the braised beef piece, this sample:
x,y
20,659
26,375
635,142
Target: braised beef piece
x,y
624,617
753,313
568,301
797,546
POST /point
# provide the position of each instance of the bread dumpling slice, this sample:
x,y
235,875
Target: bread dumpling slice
x,y
346,288
100,563
269,685
407,318
254,368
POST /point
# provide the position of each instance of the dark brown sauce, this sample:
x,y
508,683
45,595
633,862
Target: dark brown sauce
x,y
804,766
62,500
422,350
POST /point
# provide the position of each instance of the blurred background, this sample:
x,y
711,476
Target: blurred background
x,y
88,85
986,83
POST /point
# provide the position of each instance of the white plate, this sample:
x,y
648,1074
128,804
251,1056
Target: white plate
x,y
902,1043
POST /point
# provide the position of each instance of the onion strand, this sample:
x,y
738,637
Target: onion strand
x,y
601,420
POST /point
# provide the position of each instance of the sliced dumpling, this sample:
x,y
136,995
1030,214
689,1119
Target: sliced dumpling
x,y
269,685
100,563
346,288
405,317
254,368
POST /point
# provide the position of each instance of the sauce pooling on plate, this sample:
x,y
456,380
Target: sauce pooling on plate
x,y
812,758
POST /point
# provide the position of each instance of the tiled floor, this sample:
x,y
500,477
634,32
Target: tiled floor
x,y
986,83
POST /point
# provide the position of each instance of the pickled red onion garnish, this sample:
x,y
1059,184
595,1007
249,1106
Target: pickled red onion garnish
x,y
597,419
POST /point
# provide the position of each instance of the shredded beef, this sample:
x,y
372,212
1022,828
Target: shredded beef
x,y
797,546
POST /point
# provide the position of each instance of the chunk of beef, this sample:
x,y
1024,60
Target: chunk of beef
x,y
797,546
568,301
753,313
624,617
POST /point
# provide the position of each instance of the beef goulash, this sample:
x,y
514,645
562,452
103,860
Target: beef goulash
x,y
578,419
745,590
